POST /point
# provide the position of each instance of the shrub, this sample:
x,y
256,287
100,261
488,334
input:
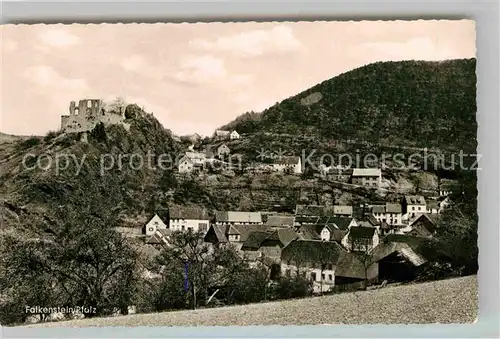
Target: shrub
x,y
293,287
30,142
50,135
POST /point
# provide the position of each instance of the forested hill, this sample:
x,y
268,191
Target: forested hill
x,y
417,103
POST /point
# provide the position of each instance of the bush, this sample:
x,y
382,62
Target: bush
x,y
294,287
49,136
30,142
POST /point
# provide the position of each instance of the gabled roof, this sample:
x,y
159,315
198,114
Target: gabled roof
x,y
287,160
280,220
385,249
221,133
165,232
361,232
342,209
283,236
412,241
238,217
222,146
308,232
366,172
338,235
414,200
246,230
254,240
430,218
351,265
219,231
232,231
378,209
372,221
188,212
393,208
159,238
342,223
162,214
312,251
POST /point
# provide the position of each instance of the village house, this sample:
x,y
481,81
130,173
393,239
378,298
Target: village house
x,y
223,151
234,135
432,207
157,222
368,177
342,211
272,245
190,161
423,226
354,271
397,261
160,238
236,234
413,205
361,239
390,213
314,259
287,163
233,217
221,135
183,218
443,203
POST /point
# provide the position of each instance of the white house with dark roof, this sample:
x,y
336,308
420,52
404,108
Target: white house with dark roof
x,y
220,134
223,151
342,211
190,161
234,135
290,163
390,213
154,224
361,238
183,218
313,259
369,177
414,205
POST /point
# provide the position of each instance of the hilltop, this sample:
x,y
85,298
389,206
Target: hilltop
x,y
31,195
408,103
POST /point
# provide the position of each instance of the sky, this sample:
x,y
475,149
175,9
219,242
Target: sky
x,y
197,77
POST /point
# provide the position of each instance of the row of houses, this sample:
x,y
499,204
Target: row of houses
x,y
326,243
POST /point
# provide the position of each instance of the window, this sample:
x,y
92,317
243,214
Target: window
x,y
323,276
313,276
151,229
413,208
183,227
330,277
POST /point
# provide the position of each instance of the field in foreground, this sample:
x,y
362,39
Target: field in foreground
x,y
445,301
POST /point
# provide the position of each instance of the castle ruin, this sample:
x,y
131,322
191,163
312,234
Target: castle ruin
x,y
87,115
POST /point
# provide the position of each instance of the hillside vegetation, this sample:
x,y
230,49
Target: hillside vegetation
x,y
445,302
416,103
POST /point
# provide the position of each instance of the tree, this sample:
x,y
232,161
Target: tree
x,y
117,106
206,266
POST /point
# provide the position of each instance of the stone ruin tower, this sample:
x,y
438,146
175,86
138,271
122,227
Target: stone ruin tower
x,y
87,115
